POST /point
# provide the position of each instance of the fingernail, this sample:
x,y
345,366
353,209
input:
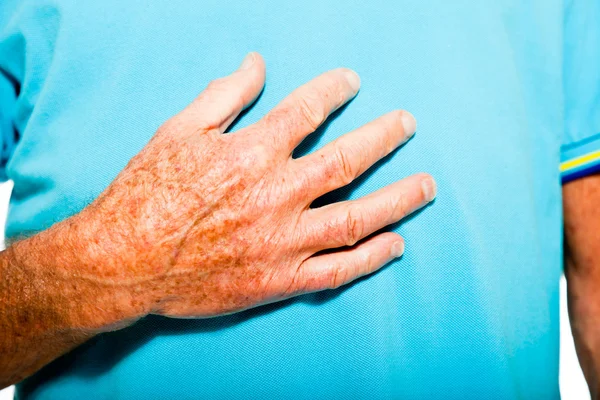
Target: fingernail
x,y
397,248
248,61
353,79
429,189
409,123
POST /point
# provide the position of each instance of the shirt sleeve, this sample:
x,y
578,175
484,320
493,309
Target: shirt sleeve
x,y
7,129
8,95
580,151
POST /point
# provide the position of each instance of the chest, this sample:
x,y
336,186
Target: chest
x,y
482,78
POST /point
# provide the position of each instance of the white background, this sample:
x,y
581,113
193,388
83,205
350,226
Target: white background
x,y
572,383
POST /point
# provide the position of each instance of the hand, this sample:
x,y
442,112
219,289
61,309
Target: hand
x,y
202,223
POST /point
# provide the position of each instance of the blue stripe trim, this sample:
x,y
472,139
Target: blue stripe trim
x,y
580,143
571,176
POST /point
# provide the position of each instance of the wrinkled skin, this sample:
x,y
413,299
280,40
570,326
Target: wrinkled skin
x,y
220,223
201,224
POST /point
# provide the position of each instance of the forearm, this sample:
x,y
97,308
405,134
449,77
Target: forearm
x,y
584,311
582,270
50,302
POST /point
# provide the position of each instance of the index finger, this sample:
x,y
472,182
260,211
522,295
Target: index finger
x,y
307,107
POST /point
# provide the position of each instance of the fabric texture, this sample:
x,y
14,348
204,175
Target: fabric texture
x,y
8,97
581,148
503,91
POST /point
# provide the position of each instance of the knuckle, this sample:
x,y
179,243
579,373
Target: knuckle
x,y
223,88
311,111
343,165
367,260
355,227
297,284
217,84
392,129
254,157
400,207
339,275
338,92
396,116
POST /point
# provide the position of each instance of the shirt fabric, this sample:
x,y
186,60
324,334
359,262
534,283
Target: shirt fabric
x,y
506,94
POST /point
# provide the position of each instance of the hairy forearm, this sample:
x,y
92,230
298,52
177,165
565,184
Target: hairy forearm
x,y
582,270
584,311
50,302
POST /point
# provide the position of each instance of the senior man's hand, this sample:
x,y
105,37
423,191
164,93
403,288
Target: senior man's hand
x,y
202,223
209,224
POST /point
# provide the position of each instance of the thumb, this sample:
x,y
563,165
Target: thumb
x,y
224,98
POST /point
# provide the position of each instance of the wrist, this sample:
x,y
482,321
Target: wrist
x,y
68,277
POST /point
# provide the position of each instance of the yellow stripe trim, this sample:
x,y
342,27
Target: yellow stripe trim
x,y
579,161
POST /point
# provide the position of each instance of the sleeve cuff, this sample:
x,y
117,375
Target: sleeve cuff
x,y
580,159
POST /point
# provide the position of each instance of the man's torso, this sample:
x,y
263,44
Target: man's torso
x,y
470,310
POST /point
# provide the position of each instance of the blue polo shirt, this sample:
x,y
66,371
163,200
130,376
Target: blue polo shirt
x,y
507,97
